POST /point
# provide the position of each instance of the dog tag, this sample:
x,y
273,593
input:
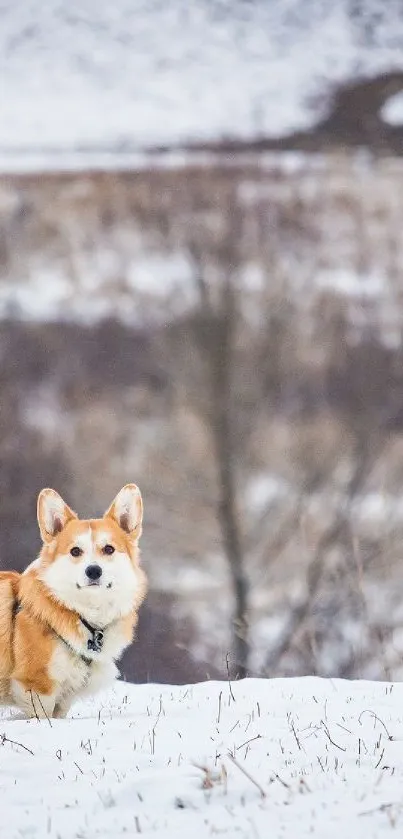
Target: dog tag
x,y
96,642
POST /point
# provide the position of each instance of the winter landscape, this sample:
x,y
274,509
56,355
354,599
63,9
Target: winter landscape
x,y
201,290
282,757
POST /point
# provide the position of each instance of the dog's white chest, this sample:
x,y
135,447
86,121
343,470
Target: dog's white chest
x,y
75,678
69,671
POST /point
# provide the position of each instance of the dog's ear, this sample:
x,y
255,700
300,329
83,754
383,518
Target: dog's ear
x,y
127,510
53,514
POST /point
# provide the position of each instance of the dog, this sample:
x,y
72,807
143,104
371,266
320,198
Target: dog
x,y
68,617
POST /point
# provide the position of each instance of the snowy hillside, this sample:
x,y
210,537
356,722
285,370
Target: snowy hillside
x,y
296,758
132,75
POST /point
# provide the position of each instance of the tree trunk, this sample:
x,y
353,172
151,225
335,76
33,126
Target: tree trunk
x,y
221,356
214,336
228,520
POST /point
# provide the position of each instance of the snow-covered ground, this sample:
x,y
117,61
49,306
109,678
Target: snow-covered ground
x,y
131,75
292,758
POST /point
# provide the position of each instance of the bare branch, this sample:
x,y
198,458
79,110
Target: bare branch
x,y
334,534
199,277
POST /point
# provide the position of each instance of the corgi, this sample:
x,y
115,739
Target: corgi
x,y
68,617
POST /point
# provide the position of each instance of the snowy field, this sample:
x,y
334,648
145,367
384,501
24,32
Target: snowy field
x,y
88,77
281,758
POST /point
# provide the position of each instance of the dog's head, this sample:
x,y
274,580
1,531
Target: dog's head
x,y
92,565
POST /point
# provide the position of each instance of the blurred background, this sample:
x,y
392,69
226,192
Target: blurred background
x,y
201,290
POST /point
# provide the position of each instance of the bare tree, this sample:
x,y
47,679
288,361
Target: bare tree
x,y
215,336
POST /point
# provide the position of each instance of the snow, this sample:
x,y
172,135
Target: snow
x,y
77,160
49,294
312,758
264,490
392,111
126,76
40,299
351,284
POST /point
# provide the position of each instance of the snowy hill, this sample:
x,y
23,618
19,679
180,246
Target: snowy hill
x,y
297,757
126,76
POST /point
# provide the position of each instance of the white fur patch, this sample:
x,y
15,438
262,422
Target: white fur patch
x,y
74,678
67,670
85,541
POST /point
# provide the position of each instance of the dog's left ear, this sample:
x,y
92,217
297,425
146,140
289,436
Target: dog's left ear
x,y
127,510
53,514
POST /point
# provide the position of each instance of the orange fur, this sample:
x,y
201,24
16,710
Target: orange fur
x,y
8,591
43,647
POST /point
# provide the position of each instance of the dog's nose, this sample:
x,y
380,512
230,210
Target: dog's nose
x,y
93,572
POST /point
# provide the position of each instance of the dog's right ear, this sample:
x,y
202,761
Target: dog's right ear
x,y
53,514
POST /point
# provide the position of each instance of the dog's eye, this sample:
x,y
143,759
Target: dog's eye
x,y
76,551
109,549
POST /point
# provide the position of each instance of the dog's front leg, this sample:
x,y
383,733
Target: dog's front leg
x,y
62,708
33,704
